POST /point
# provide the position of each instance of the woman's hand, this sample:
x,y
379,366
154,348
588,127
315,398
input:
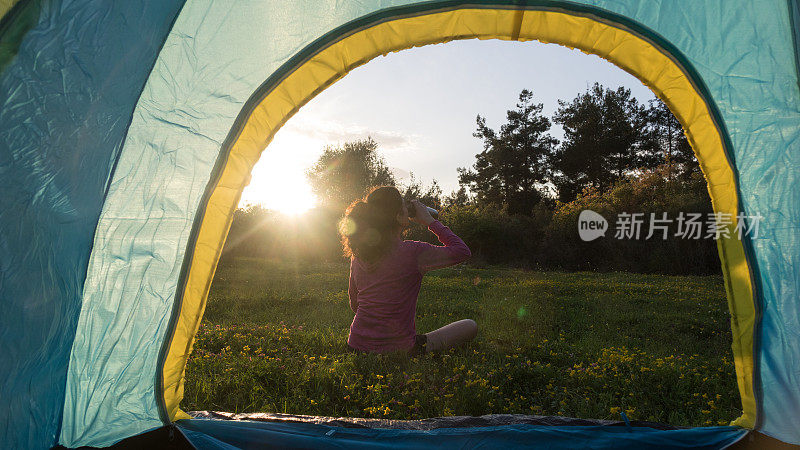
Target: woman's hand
x,y
423,216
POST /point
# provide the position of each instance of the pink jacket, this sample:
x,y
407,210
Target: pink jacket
x,y
384,294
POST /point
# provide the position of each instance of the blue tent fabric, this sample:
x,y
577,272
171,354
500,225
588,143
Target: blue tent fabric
x,y
750,70
113,116
65,104
198,87
222,434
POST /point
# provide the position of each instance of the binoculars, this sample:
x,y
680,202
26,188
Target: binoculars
x,y
412,210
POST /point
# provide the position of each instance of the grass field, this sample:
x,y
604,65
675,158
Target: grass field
x,y
583,345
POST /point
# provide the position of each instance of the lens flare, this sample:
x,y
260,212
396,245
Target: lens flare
x,y
347,226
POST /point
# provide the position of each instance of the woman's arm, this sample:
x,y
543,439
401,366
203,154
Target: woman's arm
x,y
432,257
451,253
352,292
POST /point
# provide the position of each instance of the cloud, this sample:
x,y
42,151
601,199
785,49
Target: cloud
x,y
400,174
331,132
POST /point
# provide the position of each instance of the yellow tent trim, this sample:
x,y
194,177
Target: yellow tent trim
x,y
6,5
614,42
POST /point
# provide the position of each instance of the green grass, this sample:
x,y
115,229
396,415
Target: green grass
x,y
583,345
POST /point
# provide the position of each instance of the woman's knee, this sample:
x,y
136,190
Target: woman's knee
x,y
470,327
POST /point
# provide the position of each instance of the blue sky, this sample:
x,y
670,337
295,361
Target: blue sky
x,y
420,106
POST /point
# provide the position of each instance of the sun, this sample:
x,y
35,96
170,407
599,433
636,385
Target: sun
x,y
289,198
279,183
286,192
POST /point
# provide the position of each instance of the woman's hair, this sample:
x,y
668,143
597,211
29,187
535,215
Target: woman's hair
x,y
370,227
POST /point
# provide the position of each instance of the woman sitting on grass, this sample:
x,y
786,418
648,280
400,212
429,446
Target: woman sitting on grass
x,y
386,275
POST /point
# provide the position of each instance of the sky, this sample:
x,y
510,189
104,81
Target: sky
x,y
420,106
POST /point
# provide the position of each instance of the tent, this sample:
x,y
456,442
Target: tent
x,y
129,129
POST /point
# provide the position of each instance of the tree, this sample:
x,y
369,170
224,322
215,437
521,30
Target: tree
x,y
345,173
665,143
602,137
457,198
430,196
513,165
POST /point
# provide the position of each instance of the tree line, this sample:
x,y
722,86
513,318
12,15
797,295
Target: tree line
x,y
518,203
608,135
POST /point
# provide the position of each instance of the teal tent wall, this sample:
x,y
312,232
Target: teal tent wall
x,y
65,103
115,122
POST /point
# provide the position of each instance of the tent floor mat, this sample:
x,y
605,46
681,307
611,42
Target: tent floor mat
x,y
488,420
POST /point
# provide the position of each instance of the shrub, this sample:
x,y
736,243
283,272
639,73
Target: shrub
x,y
650,192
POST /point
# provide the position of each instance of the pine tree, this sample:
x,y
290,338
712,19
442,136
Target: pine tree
x,y
513,165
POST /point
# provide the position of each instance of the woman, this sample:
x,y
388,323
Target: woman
x,y
386,274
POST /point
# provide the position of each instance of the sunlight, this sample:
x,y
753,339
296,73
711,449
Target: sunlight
x,y
279,181
288,194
